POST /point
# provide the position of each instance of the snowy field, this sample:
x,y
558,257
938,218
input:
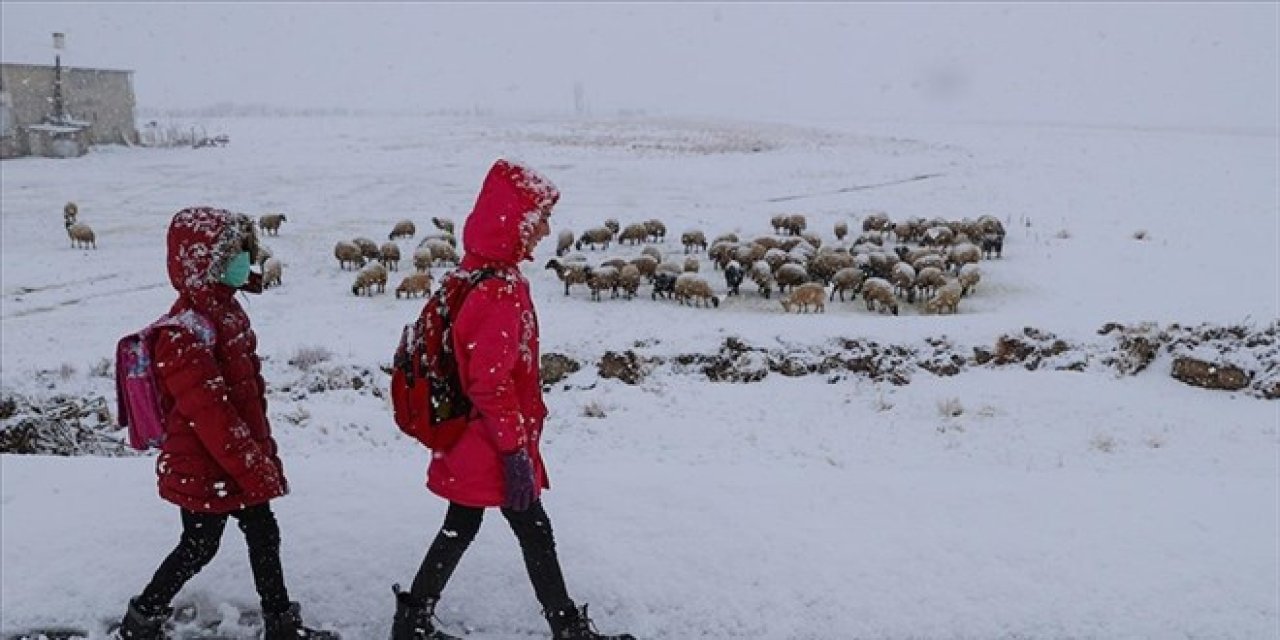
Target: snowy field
x,y
997,503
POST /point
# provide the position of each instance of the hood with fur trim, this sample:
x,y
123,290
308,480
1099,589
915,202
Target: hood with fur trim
x,y
510,202
201,241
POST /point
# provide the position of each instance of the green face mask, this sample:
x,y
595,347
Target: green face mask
x,y
237,272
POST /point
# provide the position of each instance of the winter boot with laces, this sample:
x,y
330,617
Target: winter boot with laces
x,y
287,625
573,624
143,623
413,619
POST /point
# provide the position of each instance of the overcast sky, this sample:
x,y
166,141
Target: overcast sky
x,y
1156,64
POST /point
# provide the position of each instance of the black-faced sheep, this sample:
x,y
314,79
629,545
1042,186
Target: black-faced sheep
x,y
847,279
992,245
414,284
389,256
878,291
804,296
595,236
690,288
613,225
947,298
569,273
272,273
657,230
693,241
270,223
877,221
443,224
722,253
348,253
81,235
937,236
69,213
842,230
403,229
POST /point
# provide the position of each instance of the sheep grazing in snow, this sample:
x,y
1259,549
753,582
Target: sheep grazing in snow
x,y
827,262
790,275
992,245
657,230
670,266
969,278
613,225
403,229
602,278
762,275
441,251
962,254
616,263
664,285
389,256
937,236
877,221
929,280
690,288
779,223
569,273
564,242
721,253
804,296
370,279
847,279
726,237
443,224
271,273
270,223
422,258
733,275
81,235
904,281
447,238
347,252
691,265
69,213
878,291
633,234
629,280
947,299
795,224
414,284
595,236
368,248
647,266
693,241
653,252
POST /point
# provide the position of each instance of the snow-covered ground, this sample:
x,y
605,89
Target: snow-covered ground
x,y
997,503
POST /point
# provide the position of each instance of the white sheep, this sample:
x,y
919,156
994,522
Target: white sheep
x,y
569,273
370,279
947,298
762,275
962,254
904,281
804,296
271,273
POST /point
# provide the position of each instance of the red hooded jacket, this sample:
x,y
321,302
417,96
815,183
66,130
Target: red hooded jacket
x,y
496,341
218,455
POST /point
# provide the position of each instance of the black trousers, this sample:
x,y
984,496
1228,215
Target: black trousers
x,y
532,528
201,535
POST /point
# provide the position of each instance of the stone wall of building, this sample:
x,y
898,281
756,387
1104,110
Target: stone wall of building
x,y
102,97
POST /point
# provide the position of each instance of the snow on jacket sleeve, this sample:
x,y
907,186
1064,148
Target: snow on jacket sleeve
x,y
488,335
189,373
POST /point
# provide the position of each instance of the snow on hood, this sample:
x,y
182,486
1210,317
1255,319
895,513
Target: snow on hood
x,y
510,202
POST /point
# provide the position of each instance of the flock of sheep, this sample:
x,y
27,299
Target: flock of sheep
x,y
930,261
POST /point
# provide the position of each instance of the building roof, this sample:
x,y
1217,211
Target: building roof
x,y
65,67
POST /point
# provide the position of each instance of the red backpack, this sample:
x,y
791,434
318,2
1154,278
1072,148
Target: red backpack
x,y
426,391
137,390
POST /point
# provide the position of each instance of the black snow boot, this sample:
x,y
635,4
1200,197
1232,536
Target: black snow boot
x,y
143,623
573,624
413,619
287,625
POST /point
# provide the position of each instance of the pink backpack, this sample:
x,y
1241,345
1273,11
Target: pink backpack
x,y
137,390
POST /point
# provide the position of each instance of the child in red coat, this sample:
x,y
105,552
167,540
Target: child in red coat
x,y
218,459
496,462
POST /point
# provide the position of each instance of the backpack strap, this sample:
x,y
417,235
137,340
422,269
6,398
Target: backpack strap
x,y
192,322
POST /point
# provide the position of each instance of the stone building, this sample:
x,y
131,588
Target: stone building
x,y
99,103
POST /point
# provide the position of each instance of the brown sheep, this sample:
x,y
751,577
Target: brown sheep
x,y
842,230
657,230
422,259
602,278
879,291
569,274
596,235
847,279
270,223
647,266
963,254
790,275
947,298
414,283
693,241
929,280
389,256
368,248
564,242
370,279
969,278
779,222
403,229
347,252
629,280
762,274
441,251
802,296
904,281
69,213
81,235
795,224
613,225
876,221
635,233
691,265
690,288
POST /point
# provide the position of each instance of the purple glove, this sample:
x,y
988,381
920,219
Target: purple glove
x,y
518,472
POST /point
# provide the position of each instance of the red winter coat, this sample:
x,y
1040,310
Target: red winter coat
x,y
218,454
495,337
